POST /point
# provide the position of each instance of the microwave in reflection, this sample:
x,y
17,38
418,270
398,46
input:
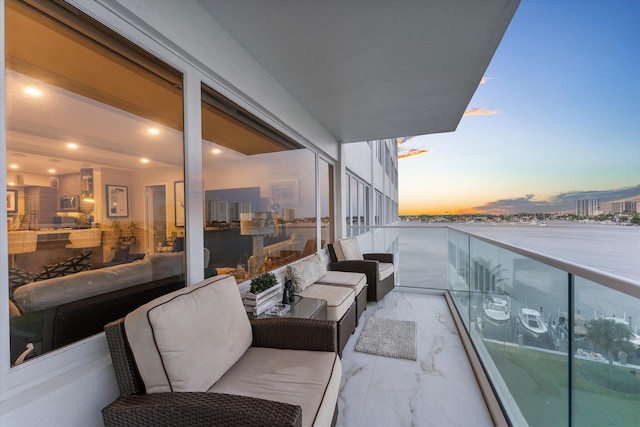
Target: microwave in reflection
x,y
70,202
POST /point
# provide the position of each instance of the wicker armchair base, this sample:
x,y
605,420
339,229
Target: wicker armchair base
x,y
135,408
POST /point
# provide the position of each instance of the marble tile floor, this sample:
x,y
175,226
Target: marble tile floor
x,y
438,389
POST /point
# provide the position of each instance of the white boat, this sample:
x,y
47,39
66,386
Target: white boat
x,y
530,321
497,309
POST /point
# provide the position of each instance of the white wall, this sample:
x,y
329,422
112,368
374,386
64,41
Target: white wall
x,y
355,153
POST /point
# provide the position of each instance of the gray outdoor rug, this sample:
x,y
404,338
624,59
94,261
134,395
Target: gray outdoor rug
x,y
387,337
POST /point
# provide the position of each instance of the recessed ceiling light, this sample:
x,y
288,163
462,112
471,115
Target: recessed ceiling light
x,y
144,160
52,171
32,91
216,151
154,131
72,145
13,166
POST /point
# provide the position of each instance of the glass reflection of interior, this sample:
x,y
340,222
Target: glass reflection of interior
x,y
94,157
259,193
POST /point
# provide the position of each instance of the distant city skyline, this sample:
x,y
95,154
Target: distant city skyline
x,y
555,119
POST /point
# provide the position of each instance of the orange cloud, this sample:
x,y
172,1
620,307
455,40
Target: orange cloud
x,y
401,141
480,112
412,152
484,80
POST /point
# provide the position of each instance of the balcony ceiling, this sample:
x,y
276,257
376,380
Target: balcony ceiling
x,y
369,69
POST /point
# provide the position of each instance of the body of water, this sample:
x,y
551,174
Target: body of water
x,y
609,248
612,249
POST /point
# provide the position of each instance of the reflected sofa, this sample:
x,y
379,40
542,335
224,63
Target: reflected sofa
x,y
54,312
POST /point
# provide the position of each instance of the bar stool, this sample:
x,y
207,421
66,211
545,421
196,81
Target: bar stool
x,y
84,239
20,242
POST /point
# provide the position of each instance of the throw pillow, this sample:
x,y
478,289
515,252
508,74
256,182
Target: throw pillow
x,y
306,272
17,278
69,266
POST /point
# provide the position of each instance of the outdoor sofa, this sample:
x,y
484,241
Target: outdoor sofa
x,y
345,292
193,357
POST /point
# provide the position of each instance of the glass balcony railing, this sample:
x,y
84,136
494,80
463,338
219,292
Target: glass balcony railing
x,y
558,340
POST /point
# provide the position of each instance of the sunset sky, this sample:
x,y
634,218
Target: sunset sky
x,y
556,118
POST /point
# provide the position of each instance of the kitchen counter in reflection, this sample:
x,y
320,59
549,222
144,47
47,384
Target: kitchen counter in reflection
x,y
52,248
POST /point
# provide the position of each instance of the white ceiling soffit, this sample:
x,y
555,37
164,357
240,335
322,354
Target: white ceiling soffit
x,y
370,69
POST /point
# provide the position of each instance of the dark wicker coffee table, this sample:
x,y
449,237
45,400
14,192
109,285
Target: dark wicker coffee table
x,y
305,308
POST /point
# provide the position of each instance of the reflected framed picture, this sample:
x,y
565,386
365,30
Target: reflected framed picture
x,y
284,192
178,198
12,201
117,201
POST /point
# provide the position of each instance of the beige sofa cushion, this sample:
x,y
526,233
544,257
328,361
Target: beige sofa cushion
x,y
310,379
355,281
61,290
339,298
186,340
305,272
347,249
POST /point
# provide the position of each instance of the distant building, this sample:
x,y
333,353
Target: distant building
x,y
588,207
217,211
225,211
288,214
624,206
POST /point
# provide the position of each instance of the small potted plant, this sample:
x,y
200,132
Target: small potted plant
x,y
263,293
263,282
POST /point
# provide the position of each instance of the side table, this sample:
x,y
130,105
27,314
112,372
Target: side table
x,y
301,307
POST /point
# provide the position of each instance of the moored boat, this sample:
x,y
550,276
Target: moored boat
x,y
497,309
530,322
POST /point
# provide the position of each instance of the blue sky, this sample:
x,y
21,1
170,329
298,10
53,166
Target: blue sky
x,y
560,120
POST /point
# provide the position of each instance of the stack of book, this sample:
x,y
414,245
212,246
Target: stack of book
x,y
258,304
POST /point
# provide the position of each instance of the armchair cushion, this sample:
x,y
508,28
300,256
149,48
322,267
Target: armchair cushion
x,y
181,343
347,249
310,379
356,281
306,272
339,299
